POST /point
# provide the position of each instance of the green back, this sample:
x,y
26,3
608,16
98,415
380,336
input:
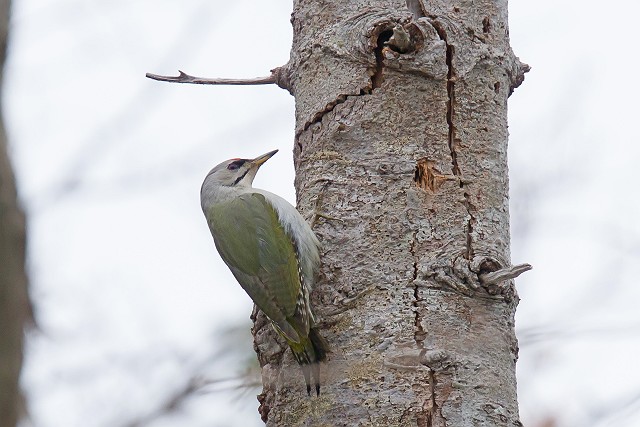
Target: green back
x,y
261,256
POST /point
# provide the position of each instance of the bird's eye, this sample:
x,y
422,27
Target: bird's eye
x,y
235,164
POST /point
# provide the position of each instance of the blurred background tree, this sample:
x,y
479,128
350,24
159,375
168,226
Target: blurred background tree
x,y
14,304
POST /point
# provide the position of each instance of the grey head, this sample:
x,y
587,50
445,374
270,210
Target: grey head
x,y
237,172
231,176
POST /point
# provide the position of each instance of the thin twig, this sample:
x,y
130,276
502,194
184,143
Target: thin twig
x,y
186,78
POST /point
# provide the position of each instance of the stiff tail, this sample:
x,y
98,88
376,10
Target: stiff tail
x,y
314,351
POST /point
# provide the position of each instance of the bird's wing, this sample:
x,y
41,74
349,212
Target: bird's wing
x,y
262,257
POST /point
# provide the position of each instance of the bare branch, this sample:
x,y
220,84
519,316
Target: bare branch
x,y
186,78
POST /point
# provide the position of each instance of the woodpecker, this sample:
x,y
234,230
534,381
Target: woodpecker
x,y
272,252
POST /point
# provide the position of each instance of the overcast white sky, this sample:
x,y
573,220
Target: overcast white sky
x,y
125,279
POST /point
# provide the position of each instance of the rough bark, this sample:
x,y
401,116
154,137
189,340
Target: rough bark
x,y
401,165
14,306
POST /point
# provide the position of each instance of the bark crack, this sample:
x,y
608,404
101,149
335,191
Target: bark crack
x,y
378,77
433,411
434,404
317,117
452,139
419,334
451,95
469,253
392,41
376,80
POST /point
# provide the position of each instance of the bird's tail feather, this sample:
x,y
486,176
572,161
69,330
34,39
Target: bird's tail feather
x,y
320,345
320,348
314,350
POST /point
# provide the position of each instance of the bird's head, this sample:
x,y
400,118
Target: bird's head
x,y
236,172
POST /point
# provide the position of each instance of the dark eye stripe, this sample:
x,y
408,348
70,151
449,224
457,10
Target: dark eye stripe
x,y
236,164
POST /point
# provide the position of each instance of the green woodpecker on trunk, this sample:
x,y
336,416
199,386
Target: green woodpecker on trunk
x,y
271,251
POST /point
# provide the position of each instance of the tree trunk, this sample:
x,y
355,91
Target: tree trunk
x,y
14,305
401,159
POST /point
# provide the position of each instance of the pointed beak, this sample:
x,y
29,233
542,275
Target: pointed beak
x,y
258,161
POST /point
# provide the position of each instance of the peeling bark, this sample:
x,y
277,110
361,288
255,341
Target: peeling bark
x,y
416,294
